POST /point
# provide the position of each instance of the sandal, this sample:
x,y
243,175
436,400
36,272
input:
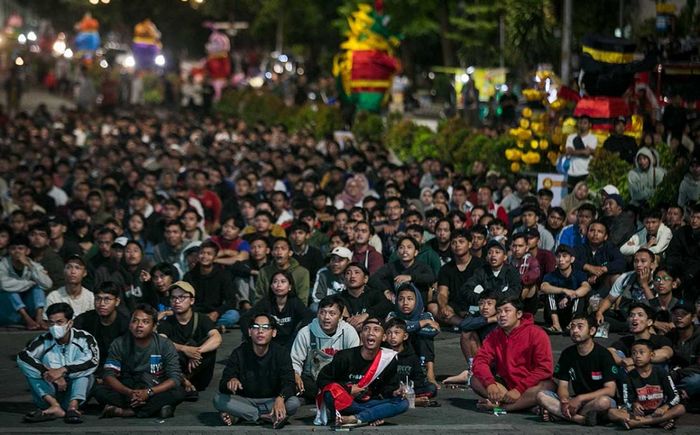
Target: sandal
x,y
73,416
38,416
227,419
670,425
551,330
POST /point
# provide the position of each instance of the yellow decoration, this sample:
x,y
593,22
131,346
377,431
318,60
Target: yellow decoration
x,y
544,144
515,167
608,56
520,144
568,127
532,94
534,144
513,154
513,132
556,105
537,128
524,123
527,112
552,156
531,158
524,134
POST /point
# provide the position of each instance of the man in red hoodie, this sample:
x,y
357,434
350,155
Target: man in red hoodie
x,y
521,354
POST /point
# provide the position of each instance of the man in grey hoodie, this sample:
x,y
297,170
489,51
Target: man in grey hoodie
x,y
689,190
317,343
645,177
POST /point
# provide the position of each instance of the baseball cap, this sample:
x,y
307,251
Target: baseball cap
x,y
342,252
495,244
184,286
617,198
621,119
610,190
565,249
77,258
121,241
56,220
684,305
532,232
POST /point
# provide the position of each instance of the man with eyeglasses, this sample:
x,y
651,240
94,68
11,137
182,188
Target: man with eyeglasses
x,y
105,322
258,381
195,337
73,293
58,366
142,376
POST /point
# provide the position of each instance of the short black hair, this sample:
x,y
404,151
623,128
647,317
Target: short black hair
x,y
331,300
410,239
461,232
652,213
299,226
146,309
396,322
270,319
545,192
649,311
592,323
514,301
109,287
643,342
60,307
520,235
209,243
587,206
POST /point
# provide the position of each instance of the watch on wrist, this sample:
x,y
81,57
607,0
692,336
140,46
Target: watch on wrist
x,y
149,391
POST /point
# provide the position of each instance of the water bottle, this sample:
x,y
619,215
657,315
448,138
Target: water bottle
x,y
594,303
470,364
422,364
410,394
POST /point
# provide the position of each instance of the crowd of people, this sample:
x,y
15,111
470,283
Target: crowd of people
x,y
137,241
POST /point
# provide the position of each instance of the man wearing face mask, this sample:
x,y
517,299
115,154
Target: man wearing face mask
x,y
59,367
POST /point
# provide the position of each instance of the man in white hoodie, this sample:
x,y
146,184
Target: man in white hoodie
x,y
655,236
645,177
317,343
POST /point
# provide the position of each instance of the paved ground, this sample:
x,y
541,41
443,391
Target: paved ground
x,y
457,414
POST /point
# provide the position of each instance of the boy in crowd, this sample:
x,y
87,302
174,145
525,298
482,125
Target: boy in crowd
x,y
317,343
566,289
588,369
58,366
258,381
655,236
529,270
649,395
409,364
329,280
514,363
195,338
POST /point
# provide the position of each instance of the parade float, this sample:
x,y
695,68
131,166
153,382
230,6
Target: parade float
x,y
218,63
87,40
146,45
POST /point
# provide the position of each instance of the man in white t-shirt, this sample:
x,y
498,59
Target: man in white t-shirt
x,y
73,293
580,146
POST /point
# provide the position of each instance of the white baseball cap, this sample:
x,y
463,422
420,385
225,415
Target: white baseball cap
x,y
342,252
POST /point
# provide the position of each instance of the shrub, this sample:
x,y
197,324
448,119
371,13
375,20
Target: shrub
x,y
368,127
608,168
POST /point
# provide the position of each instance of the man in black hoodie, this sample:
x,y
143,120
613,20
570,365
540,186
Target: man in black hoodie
x,y
360,302
262,371
216,295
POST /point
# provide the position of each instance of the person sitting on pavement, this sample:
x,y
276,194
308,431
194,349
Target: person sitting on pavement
x,y
362,251
599,258
73,293
650,397
195,337
22,286
410,366
497,275
621,223
142,376
329,280
317,343
59,367
475,329
640,320
645,177
360,386
665,285
106,323
282,260
683,255
361,302
450,310
655,236
514,362
529,221
257,384
587,369
575,234
685,340
566,289
420,325
528,268
634,286
283,304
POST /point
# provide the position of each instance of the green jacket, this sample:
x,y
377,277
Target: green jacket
x,y
299,273
426,255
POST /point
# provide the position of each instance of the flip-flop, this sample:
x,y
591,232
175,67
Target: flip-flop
x,y
38,416
73,417
226,416
670,425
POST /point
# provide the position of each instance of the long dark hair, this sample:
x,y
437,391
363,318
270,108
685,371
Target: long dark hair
x,y
292,289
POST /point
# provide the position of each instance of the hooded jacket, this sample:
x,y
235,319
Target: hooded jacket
x,y
663,239
33,275
313,349
522,358
413,318
643,183
689,191
302,281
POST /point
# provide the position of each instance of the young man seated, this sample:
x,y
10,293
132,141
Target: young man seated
x,y
360,386
142,375
361,302
59,367
521,355
651,398
195,338
409,364
258,381
317,343
587,369
685,338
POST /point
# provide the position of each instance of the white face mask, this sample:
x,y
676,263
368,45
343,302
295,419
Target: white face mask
x,y
58,331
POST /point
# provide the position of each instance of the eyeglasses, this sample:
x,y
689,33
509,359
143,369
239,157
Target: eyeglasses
x,y
663,278
259,327
104,300
179,298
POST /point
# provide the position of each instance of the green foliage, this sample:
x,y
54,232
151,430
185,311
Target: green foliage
x,y
608,168
368,127
410,141
320,120
667,191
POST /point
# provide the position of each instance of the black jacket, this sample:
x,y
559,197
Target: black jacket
x,y
261,377
506,284
214,291
348,367
372,302
293,316
683,257
409,366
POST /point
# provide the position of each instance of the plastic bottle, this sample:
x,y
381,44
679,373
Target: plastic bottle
x,y
470,364
410,394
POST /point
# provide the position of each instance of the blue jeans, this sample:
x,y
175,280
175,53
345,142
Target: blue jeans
x,y
691,384
77,389
11,302
371,410
228,319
